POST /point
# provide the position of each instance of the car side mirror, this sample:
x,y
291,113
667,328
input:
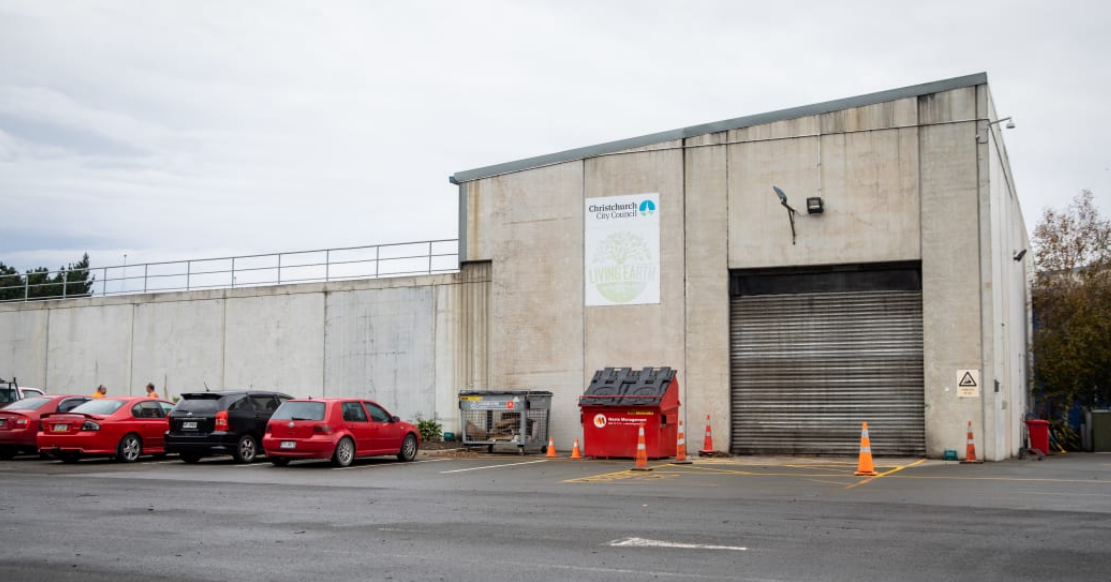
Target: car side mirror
x,y
395,419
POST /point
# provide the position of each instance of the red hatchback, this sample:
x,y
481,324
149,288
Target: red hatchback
x,y
19,421
340,429
124,427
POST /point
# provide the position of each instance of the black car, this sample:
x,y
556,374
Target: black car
x,y
222,422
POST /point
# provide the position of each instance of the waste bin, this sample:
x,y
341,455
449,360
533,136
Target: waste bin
x,y
619,401
505,418
1039,434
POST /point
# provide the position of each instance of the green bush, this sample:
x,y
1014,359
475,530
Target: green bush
x,y
429,428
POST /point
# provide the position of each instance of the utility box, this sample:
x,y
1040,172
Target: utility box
x,y
1099,422
505,418
619,402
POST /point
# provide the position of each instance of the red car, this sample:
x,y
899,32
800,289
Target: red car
x,y
19,421
340,429
123,427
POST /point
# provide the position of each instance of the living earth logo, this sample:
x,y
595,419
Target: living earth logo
x,y
622,267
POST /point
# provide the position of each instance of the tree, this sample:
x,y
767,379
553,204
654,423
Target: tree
x,y
74,280
1072,308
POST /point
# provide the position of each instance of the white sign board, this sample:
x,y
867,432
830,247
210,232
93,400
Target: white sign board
x,y
968,383
621,262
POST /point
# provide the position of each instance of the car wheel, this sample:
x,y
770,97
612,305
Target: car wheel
x,y
129,449
7,453
69,457
190,458
279,461
408,448
246,450
345,453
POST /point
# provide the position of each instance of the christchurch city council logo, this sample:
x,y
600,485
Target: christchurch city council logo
x,y
622,267
647,208
600,420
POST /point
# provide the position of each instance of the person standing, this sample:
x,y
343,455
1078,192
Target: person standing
x,y
150,391
101,392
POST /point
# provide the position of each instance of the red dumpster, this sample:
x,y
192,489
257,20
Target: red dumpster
x,y
1039,434
620,401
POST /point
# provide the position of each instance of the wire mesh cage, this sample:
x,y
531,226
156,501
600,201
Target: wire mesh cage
x,y
506,418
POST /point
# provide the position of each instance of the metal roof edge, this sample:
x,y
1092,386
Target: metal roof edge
x,y
719,126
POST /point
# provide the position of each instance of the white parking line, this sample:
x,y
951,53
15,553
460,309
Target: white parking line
x,y
492,467
643,543
391,464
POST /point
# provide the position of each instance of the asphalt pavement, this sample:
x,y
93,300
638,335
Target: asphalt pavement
x,y
506,517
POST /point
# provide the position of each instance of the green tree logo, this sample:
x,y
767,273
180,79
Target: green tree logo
x,y
620,272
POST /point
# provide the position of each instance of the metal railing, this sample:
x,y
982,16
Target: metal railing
x,y
338,264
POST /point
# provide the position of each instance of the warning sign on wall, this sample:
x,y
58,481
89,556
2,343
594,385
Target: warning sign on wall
x,y
968,383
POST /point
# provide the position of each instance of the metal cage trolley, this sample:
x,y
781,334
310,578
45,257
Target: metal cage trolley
x,y
505,419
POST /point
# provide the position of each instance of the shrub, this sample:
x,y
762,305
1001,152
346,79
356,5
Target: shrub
x,y
429,428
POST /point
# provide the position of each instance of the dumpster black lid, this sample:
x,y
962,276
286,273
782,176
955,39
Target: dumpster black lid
x,y
626,387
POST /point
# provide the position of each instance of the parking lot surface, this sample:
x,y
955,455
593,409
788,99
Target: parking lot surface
x,y
509,517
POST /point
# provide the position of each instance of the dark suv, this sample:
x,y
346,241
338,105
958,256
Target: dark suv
x,y
228,421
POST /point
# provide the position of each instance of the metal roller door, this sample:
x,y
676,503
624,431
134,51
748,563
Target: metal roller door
x,y
808,368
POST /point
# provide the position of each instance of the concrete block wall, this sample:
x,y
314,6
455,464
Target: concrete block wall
x,y
409,343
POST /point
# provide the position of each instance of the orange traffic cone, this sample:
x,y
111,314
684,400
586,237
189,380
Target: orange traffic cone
x,y
551,447
970,452
642,453
681,448
708,443
575,454
864,468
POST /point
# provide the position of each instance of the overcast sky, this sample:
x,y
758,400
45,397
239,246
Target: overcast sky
x,y
169,130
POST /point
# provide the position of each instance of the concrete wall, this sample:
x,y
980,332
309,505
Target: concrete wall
x,y
409,343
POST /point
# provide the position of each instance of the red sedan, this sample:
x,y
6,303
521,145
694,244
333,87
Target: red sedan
x,y
340,429
19,421
123,427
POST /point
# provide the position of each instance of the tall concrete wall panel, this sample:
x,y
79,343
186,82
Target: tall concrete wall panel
x,y
380,344
704,387
178,345
23,342
950,280
536,299
90,346
275,342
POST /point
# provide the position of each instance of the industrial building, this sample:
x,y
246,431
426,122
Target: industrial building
x,y
805,270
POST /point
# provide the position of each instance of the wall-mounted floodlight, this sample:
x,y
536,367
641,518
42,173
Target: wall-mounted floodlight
x,y
987,129
1018,256
790,211
814,205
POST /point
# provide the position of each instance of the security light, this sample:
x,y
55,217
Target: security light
x,y
814,205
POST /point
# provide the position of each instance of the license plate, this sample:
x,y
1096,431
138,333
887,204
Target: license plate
x,y
189,425
61,427
3,423
289,444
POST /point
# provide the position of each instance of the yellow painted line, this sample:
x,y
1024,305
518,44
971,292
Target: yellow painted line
x,y
1015,479
826,482
886,473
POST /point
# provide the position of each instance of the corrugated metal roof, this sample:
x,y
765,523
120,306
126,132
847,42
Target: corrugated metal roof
x,y
718,126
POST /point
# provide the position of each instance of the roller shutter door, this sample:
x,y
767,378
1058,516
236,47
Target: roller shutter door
x,y
808,368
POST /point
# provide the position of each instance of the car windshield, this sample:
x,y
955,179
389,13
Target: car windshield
x,y
199,404
8,395
28,404
300,411
99,407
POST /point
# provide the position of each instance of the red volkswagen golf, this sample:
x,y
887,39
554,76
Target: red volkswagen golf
x,y
340,429
19,421
123,427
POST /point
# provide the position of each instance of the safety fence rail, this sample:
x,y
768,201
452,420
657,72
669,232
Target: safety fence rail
x,y
325,265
